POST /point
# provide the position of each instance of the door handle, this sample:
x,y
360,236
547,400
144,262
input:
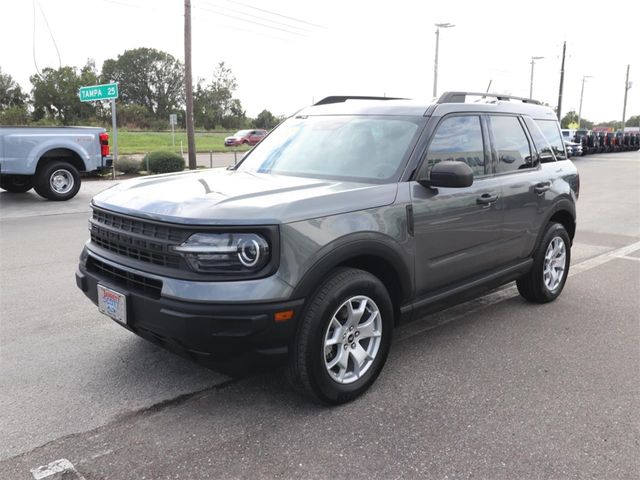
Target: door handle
x,y
487,199
542,187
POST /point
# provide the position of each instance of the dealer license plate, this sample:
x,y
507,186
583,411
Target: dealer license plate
x,y
113,304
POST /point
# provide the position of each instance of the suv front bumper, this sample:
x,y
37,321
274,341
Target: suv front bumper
x,y
209,332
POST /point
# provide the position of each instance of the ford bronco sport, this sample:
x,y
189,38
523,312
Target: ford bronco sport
x,y
352,216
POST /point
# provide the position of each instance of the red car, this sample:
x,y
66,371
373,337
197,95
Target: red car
x,y
245,137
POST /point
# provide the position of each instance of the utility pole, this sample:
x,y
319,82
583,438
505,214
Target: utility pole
x,y
435,62
188,86
584,77
626,89
533,62
564,50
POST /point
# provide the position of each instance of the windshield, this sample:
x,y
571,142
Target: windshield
x,y
242,133
357,148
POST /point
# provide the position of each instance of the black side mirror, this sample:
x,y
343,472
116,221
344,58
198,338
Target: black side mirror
x,y
452,174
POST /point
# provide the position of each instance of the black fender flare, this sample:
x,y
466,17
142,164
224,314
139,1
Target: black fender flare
x,y
350,247
563,204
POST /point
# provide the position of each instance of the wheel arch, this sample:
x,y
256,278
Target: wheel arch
x,y
381,259
62,154
563,212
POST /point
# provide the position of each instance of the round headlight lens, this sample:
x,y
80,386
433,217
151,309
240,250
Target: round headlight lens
x,y
248,252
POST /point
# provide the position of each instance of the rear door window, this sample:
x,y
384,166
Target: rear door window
x,y
458,138
510,143
551,132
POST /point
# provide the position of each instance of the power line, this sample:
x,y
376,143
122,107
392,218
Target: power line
x,y
125,4
35,63
304,29
270,12
51,34
251,21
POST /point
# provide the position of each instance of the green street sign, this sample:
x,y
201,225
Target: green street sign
x,y
99,92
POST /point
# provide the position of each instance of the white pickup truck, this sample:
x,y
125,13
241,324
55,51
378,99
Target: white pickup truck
x,y
50,159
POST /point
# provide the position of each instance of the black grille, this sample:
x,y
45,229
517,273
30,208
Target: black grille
x,y
137,239
129,281
138,227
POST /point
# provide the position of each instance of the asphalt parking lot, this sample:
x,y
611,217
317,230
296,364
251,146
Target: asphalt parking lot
x,y
494,388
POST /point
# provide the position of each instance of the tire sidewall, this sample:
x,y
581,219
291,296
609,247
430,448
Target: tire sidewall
x,y
43,185
16,184
321,382
555,230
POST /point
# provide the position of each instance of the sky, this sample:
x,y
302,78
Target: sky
x,y
286,54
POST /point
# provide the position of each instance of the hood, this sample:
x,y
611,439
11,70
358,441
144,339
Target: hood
x,y
225,197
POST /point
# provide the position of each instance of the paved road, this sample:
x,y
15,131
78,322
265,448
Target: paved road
x,y
495,388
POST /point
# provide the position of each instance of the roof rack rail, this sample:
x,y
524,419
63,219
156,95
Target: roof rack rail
x,y
460,97
340,99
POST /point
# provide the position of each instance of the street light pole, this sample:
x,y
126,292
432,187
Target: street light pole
x,y
627,86
435,63
584,77
533,62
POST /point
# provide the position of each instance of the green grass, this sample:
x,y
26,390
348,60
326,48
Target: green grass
x,y
144,142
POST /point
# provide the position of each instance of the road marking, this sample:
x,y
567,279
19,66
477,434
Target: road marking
x,y
57,470
626,257
467,308
603,258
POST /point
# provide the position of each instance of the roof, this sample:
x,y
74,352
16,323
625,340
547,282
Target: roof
x,y
448,102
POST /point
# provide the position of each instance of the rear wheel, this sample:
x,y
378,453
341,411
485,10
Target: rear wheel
x,y
16,183
57,181
344,337
547,277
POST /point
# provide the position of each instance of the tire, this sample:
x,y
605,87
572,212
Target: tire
x,y
549,273
326,320
16,183
57,181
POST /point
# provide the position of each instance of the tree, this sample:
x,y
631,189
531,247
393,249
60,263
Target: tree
x,y
55,94
147,77
571,117
13,102
633,121
11,94
214,103
266,120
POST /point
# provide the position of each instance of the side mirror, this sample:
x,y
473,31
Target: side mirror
x,y
451,174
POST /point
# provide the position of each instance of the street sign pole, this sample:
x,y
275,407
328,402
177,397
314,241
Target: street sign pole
x,y
173,120
107,91
115,138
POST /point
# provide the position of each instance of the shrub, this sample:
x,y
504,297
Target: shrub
x,y
128,165
164,162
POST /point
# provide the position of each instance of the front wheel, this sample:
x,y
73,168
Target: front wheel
x,y
57,181
344,337
550,269
16,183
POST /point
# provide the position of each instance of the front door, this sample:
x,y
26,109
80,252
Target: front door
x,y
457,230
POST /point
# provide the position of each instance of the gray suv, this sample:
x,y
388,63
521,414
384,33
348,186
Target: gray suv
x,y
353,216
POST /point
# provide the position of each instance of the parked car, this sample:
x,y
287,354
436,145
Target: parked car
x,y
573,149
350,218
569,134
50,159
245,137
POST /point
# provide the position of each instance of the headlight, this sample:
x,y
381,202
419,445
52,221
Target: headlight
x,y
225,252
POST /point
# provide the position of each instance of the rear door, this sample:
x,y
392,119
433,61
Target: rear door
x,y
456,230
522,181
